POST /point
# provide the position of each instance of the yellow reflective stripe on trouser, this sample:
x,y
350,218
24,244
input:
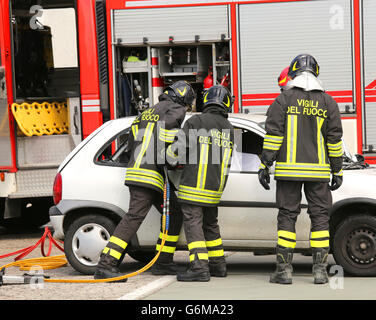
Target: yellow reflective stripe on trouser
x,y
165,248
320,141
196,244
135,131
121,243
112,252
319,234
287,234
145,143
168,238
319,244
201,256
224,169
292,126
214,243
216,253
203,165
286,244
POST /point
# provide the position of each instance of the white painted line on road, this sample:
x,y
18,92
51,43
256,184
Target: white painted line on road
x,y
149,288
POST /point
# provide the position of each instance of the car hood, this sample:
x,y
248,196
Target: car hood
x,y
358,183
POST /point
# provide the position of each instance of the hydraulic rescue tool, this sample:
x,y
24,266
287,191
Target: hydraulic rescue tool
x,y
54,262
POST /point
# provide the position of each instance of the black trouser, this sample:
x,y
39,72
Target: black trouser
x,y
141,200
319,198
202,232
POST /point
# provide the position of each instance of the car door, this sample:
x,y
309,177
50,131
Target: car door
x,y
248,212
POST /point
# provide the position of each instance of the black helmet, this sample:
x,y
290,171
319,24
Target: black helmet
x,y
304,62
181,92
220,96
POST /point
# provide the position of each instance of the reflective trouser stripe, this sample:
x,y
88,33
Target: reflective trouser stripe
x,y
165,248
201,256
135,131
122,244
214,243
319,244
196,244
112,252
286,239
320,239
168,238
216,253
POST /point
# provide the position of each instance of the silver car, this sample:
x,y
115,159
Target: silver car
x,y
91,198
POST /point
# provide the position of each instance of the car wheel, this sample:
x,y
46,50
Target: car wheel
x,y
85,239
354,245
142,255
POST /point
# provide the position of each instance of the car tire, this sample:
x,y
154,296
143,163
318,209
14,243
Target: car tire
x,y
142,255
354,245
85,239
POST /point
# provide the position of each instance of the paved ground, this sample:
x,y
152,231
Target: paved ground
x,y
247,280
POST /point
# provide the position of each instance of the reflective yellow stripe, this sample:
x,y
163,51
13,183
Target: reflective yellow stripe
x,y
168,238
198,198
319,244
334,145
165,248
105,250
274,138
216,253
146,172
339,173
121,243
196,244
207,192
287,234
214,243
171,153
201,256
291,138
224,169
302,174
135,131
203,165
115,254
320,141
144,180
286,244
145,143
319,234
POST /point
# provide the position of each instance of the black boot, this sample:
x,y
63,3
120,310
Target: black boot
x,y
163,268
217,267
320,263
198,271
108,268
283,273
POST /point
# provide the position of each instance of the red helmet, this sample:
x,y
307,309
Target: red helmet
x,y
283,77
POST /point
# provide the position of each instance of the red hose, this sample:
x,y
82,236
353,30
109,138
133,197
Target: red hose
x,y
24,252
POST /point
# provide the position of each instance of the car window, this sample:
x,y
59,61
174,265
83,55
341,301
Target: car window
x,y
247,151
114,152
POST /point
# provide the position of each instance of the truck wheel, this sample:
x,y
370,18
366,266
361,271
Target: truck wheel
x,y
354,245
85,239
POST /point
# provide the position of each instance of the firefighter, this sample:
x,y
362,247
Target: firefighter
x,y
204,148
284,78
303,135
153,130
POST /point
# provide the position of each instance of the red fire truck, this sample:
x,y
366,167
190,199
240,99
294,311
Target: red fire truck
x,y
67,66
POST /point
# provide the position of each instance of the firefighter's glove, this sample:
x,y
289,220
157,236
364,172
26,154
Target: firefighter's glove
x,y
336,182
264,178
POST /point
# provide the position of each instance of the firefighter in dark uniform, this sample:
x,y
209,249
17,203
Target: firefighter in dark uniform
x,y
204,148
303,135
152,131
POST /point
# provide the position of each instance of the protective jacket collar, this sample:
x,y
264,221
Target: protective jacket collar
x,y
307,81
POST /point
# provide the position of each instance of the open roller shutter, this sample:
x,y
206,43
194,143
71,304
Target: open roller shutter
x,y
369,25
272,34
182,23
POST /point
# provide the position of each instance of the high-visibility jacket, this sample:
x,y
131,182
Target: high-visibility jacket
x,y
204,146
303,136
152,132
